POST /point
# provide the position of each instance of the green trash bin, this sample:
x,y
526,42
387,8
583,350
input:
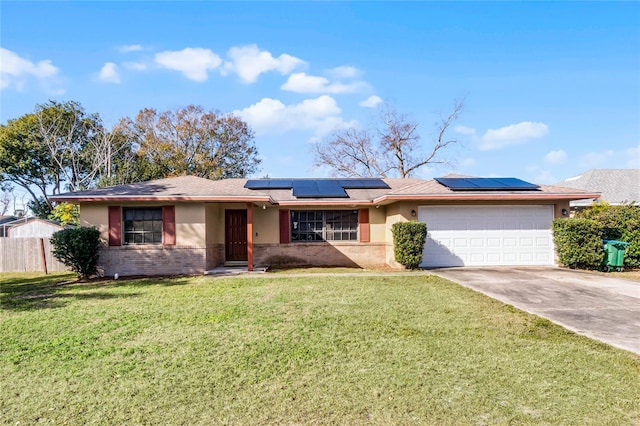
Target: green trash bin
x,y
614,255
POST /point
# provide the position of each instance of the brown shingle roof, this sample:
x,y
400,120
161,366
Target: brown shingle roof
x,y
192,188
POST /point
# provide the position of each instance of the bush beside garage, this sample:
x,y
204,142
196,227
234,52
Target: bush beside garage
x,y
579,240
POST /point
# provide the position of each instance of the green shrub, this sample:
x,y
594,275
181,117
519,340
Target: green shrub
x,y
578,242
619,223
78,249
408,243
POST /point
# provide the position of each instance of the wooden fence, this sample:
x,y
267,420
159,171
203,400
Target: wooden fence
x,y
28,255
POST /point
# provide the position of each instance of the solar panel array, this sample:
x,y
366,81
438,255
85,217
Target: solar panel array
x,y
317,188
487,184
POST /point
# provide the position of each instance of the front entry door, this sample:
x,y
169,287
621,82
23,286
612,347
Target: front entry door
x,y
235,235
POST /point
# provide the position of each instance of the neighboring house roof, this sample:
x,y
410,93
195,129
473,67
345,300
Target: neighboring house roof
x,y
617,186
191,188
30,220
7,219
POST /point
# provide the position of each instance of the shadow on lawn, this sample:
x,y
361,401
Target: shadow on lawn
x,y
48,291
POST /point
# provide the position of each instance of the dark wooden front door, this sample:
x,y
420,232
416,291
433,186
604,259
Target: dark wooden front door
x,y
235,235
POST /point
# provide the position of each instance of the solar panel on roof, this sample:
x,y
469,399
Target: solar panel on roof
x,y
320,188
487,184
370,183
268,184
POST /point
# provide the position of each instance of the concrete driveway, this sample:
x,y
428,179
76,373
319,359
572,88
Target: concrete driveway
x,y
597,306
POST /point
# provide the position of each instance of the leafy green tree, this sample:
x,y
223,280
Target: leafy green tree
x,y
40,208
190,141
25,160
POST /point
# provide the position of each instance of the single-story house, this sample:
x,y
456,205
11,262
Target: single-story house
x,y
33,227
616,186
187,225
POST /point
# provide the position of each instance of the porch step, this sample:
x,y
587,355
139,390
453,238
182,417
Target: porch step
x,y
236,263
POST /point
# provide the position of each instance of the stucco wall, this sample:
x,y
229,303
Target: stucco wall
x,y
95,214
191,226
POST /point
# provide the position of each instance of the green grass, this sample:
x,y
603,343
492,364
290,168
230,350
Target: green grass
x,y
305,350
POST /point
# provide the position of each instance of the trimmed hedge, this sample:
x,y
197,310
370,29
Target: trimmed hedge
x,y
78,248
408,243
578,242
619,223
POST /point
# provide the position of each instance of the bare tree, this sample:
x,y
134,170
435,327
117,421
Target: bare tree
x,y
395,151
6,198
78,143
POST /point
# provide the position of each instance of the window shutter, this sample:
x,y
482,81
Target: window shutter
x,y
285,232
115,226
169,225
363,220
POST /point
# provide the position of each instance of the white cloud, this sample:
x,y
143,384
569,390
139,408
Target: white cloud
x,y
136,66
555,157
109,73
321,115
344,71
14,70
192,62
371,102
303,83
513,134
464,130
249,62
130,48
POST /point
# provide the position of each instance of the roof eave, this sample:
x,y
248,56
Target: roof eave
x,y
128,198
483,197
307,202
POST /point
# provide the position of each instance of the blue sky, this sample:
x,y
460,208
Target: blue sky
x,y
551,89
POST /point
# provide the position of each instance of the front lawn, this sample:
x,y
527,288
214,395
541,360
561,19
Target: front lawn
x,y
302,350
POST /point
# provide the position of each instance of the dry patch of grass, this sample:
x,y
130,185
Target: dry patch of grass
x,y
321,350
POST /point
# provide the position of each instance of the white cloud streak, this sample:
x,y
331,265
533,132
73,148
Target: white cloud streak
x,y
194,63
513,134
321,115
109,73
303,83
248,62
343,72
371,102
14,70
130,48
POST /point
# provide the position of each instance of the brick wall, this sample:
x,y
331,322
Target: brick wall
x,y
153,260
320,254
215,255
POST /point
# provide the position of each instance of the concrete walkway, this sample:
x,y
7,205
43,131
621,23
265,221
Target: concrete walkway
x,y
594,305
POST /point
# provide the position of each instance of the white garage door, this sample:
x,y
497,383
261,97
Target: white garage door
x,y
487,235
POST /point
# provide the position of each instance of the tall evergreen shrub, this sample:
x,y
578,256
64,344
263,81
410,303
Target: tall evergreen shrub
x,y
408,243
